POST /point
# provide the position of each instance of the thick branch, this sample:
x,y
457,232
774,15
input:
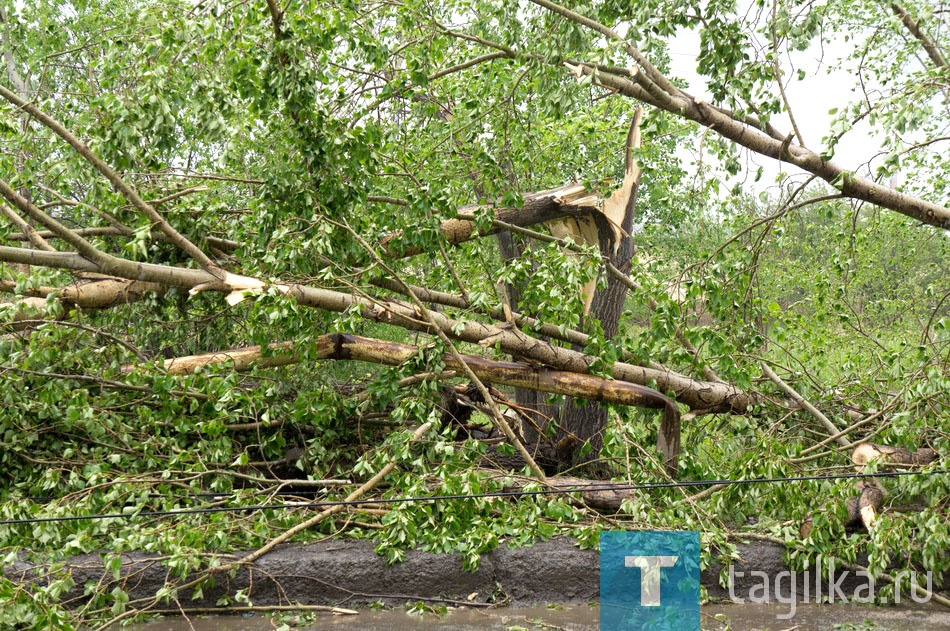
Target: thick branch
x,y
914,27
755,140
597,494
44,258
865,453
702,395
88,292
696,394
357,348
553,331
161,274
353,347
740,131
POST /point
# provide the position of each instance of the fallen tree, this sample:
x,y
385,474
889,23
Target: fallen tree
x,y
610,233
353,347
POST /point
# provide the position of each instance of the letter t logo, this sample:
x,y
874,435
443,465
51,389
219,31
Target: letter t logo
x,y
649,576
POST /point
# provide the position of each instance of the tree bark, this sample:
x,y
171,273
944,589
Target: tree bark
x,y
342,346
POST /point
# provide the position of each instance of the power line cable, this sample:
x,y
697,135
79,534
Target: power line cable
x,y
435,498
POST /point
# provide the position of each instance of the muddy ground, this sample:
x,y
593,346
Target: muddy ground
x,y
349,573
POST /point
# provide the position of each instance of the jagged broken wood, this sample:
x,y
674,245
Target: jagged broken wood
x,y
867,506
573,200
864,509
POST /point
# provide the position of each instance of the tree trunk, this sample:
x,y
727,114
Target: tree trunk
x,y
580,426
588,420
343,346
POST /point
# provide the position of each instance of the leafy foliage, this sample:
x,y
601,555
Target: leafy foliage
x,y
291,147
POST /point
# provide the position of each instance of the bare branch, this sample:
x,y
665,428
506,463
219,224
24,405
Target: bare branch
x,y
652,88
83,247
787,389
468,64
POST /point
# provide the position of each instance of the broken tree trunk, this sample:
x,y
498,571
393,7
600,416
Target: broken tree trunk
x,y
610,231
573,200
354,347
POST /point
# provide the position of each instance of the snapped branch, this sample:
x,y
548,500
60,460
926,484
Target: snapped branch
x,y
116,180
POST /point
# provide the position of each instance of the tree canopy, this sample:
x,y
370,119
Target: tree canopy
x,y
266,245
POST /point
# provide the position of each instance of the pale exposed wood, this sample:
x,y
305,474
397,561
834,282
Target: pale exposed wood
x,y
587,230
240,359
866,507
573,200
866,453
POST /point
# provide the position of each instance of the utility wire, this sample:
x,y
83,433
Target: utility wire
x,y
435,498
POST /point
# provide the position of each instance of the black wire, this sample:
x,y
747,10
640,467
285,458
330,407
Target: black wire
x,y
434,498
49,498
